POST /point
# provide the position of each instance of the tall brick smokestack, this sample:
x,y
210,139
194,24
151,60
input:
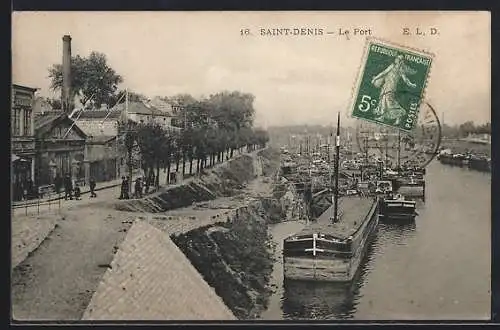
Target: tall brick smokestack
x,y
66,75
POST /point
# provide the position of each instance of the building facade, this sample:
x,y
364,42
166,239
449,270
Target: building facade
x,y
60,148
140,112
22,140
105,144
102,157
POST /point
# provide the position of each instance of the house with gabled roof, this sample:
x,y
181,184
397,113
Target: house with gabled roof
x,y
60,147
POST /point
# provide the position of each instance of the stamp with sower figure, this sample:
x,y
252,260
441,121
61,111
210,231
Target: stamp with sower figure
x,y
391,85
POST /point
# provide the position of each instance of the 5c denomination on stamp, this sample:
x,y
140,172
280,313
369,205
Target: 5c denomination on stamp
x,y
391,84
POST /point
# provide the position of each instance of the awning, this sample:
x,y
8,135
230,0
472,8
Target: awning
x,y
16,158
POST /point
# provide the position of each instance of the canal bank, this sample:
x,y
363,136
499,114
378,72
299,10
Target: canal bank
x,y
435,268
235,258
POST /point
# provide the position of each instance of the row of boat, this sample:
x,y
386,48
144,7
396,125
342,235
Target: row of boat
x,y
332,245
474,162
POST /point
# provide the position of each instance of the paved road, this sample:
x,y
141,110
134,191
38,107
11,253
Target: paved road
x,y
58,280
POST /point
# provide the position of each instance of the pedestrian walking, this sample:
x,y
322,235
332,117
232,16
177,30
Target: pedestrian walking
x,y
92,187
68,188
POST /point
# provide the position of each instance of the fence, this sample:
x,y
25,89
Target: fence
x,y
51,202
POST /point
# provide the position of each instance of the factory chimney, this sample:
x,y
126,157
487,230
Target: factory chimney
x,y
66,100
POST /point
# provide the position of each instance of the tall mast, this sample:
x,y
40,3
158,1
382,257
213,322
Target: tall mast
x,y
310,177
336,169
126,102
330,138
399,147
386,149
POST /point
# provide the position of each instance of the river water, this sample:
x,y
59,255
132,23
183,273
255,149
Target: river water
x,y
435,268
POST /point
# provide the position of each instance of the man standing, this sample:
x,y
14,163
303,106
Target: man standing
x,y
138,188
127,188
68,188
77,192
122,188
92,187
58,183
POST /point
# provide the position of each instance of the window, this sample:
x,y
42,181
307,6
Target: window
x,y
13,121
16,122
27,122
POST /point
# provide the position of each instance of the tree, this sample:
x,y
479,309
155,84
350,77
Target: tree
x,y
233,111
483,129
166,152
151,140
261,137
55,104
120,97
466,128
128,133
92,79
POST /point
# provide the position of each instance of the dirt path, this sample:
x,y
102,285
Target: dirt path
x,y
182,220
57,281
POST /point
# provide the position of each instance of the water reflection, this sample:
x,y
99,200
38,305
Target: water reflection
x,y
319,300
396,231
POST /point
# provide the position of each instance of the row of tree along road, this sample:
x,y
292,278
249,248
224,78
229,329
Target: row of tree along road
x,y
206,131
210,131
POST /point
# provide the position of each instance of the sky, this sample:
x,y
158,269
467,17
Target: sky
x,y
304,79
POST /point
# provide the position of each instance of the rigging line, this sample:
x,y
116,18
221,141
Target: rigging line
x,y
111,109
75,120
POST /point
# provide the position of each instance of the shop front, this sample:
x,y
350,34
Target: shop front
x,y
21,179
22,142
60,147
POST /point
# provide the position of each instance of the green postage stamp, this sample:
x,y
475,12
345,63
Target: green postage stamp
x,y
391,85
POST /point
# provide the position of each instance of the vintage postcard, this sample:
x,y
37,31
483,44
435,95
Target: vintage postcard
x,y
307,165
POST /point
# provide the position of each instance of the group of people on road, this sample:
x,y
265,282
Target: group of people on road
x,y
72,189
141,187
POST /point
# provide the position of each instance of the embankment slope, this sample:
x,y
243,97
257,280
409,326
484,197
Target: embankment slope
x,y
150,279
224,180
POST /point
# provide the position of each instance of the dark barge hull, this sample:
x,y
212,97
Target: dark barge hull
x,y
482,165
478,164
398,210
320,256
455,161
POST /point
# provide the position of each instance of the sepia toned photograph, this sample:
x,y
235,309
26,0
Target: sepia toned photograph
x,y
281,165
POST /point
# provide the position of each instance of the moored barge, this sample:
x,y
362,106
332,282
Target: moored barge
x,y
397,207
332,251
